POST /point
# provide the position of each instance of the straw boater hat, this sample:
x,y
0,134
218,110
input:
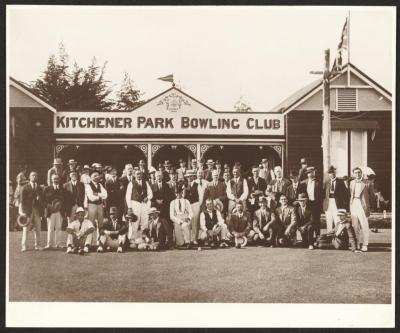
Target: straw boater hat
x,y
86,167
130,215
241,240
79,210
152,169
341,212
310,169
303,160
264,160
153,210
210,162
72,161
190,173
96,165
57,161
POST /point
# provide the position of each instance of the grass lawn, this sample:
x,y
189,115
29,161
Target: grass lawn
x,y
252,275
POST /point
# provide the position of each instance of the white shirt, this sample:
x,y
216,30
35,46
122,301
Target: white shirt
x,y
201,188
333,183
245,193
357,189
93,197
310,189
85,178
80,228
176,214
128,195
295,186
203,219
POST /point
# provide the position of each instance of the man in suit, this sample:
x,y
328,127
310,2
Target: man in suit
x,y
96,195
237,190
194,166
113,232
286,216
263,221
257,186
173,182
182,170
127,178
31,207
218,167
115,193
167,170
209,170
314,190
143,169
303,169
56,169
304,221
158,233
161,195
74,195
279,185
239,223
216,191
361,196
270,197
181,215
54,198
138,197
72,166
336,196
192,193
212,226
266,171
293,189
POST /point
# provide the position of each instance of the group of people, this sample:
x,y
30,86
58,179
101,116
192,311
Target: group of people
x,y
201,205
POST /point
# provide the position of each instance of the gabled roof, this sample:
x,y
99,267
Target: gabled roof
x,y
306,92
28,91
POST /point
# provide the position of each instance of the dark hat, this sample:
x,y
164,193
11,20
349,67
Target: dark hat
x,y
268,190
113,210
172,170
302,197
331,169
142,162
262,199
303,160
310,169
129,215
181,161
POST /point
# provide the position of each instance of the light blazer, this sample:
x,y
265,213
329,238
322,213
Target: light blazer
x,y
286,216
367,194
258,224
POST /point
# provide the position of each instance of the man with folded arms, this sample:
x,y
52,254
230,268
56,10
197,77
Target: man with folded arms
x,y
212,226
113,232
263,224
79,233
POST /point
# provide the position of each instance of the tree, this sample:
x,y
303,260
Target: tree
x,y
242,106
128,96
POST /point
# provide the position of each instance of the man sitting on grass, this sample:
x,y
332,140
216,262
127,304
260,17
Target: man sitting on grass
x,y
239,224
158,233
113,233
212,226
79,233
344,233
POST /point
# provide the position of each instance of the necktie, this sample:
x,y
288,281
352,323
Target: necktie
x,y
115,225
34,186
332,186
200,182
180,205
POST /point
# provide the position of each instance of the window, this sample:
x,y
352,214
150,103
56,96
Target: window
x,y
343,142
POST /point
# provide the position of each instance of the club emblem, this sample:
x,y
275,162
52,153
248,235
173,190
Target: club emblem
x,y
173,102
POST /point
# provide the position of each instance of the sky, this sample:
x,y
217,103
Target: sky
x,y
216,54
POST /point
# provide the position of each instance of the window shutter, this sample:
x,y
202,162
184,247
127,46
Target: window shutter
x,y
347,100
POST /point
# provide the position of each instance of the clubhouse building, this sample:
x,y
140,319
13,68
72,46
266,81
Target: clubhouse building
x,y
174,125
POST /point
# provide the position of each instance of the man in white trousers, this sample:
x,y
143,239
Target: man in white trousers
x,y
96,194
361,194
336,196
80,233
138,198
181,214
237,190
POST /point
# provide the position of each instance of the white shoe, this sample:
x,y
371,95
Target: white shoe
x,y
364,248
69,249
99,249
38,248
23,249
310,247
86,249
119,250
47,247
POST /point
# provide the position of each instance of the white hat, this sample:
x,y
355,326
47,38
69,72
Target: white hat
x,y
79,210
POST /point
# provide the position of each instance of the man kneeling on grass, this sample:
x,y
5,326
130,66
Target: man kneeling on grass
x,y
158,233
79,233
239,225
112,233
213,229
263,224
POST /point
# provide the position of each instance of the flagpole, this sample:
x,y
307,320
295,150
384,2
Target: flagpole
x,y
348,48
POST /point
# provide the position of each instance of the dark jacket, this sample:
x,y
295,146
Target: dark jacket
x,y
50,195
318,191
301,219
341,194
237,224
161,233
115,193
165,195
121,227
72,197
253,188
30,199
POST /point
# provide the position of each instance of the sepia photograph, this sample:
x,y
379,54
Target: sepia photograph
x,y
200,166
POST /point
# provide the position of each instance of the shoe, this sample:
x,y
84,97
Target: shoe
x,y
108,248
212,245
238,246
364,248
119,250
356,251
99,249
81,252
69,249
86,249
38,248
223,244
47,247
195,243
272,246
189,246
23,249
311,247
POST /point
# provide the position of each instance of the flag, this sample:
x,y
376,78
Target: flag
x,y
344,39
168,78
337,64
